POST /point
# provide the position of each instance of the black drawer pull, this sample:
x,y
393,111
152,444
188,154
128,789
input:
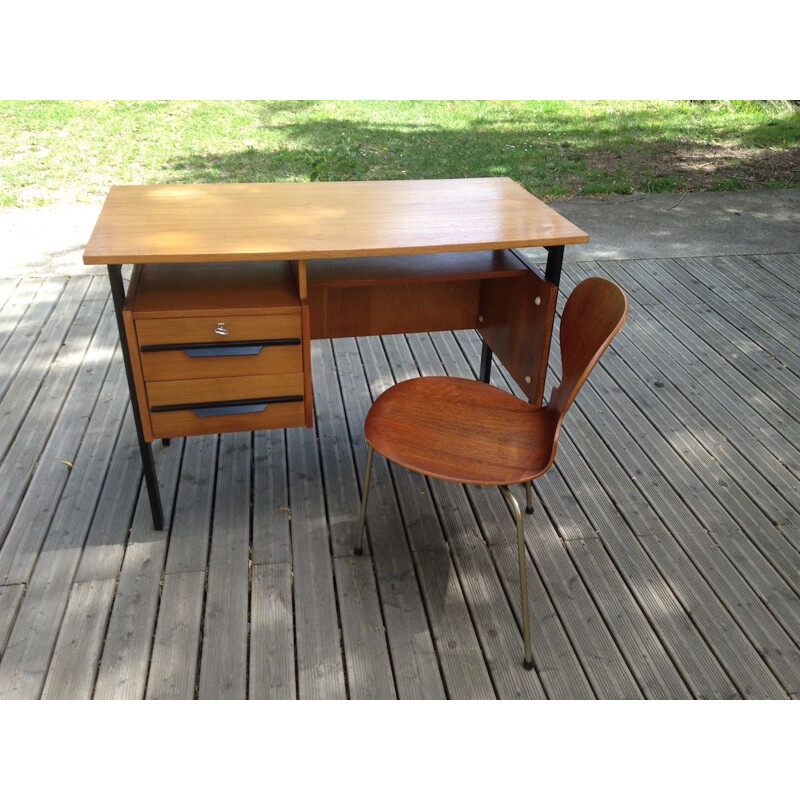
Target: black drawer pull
x,y
221,346
221,411
216,352
221,406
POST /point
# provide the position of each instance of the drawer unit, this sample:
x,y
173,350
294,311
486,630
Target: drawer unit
x,y
206,360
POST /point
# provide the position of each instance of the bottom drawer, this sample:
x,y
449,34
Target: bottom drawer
x,y
243,416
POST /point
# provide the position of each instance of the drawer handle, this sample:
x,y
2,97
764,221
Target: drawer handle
x,y
221,329
218,346
222,406
216,352
221,411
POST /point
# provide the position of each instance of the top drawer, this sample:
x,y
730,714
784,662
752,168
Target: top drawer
x,y
180,330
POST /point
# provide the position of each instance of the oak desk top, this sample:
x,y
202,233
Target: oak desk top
x,y
270,221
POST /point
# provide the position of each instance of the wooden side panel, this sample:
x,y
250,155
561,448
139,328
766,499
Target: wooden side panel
x,y
396,308
306,338
517,323
300,278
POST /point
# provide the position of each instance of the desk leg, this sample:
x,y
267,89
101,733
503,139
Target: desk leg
x,y
118,295
486,363
555,258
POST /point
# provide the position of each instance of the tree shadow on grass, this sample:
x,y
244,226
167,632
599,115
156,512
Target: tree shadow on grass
x,y
563,154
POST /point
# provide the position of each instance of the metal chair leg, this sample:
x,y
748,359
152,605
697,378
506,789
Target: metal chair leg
x,y
364,494
523,577
529,497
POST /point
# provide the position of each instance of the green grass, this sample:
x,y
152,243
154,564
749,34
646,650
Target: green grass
x,y
68,151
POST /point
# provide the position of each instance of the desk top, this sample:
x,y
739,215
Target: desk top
x,y
266,221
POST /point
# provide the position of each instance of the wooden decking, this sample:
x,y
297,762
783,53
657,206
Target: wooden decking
x,y
664,551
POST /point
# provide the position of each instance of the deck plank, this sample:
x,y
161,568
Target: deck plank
x,y
320,670
191,525
753,362
497,624
10,601
739,597
729,502
411,642
721,400
173,667
67,458
126,652
366,649
663,555
271,514
21,318
53,320
779,272
600,657
104,549
621,533
60,539
8,290
272,672
223,664
703,446
766,323
272,652
29,409
73,667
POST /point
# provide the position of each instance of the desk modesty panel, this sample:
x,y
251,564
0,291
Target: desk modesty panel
x,y
273,221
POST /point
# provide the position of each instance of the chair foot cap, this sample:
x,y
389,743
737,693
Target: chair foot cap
x,y
359,551
529,509
528,664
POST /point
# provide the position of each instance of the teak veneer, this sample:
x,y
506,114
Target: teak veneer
x,y
232,281
264,221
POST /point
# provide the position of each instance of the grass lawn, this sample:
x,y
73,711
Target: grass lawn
x,y
73,151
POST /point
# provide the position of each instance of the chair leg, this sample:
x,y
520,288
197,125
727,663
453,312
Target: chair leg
x,y
364,494
523,577
529,497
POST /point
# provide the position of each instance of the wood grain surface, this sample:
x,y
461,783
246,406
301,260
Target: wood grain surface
x,y
261,221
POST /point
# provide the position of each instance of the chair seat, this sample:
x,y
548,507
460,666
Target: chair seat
x,y
462,430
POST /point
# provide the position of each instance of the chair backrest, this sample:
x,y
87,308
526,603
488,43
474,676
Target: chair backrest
x,y
593,314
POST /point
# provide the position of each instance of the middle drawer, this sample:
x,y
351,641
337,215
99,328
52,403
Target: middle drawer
x,y
221,361
209,390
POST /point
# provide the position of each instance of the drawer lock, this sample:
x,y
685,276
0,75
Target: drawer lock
x,y
221,329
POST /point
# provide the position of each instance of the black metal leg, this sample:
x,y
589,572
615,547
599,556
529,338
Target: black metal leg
x,y
486,363
555,258
118,295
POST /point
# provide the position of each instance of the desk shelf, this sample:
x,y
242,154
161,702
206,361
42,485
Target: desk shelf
x,y
431,267
374,296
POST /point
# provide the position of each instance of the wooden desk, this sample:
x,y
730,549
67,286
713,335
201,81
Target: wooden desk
x,y
232,281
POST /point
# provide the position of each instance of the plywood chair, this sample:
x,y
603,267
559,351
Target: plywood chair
x,y
469,432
